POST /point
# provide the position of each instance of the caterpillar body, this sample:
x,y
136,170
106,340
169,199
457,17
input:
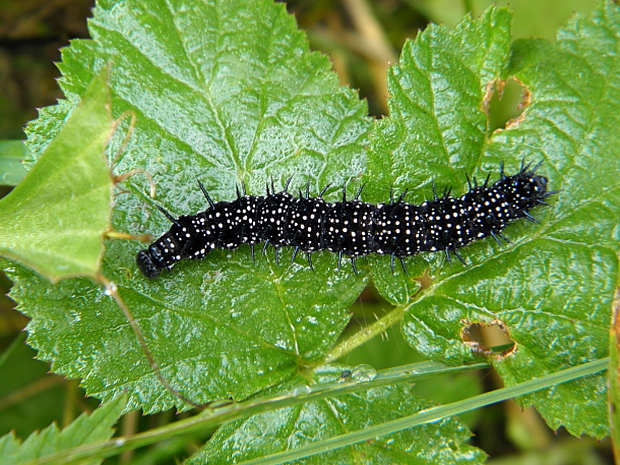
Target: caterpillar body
x,y
351,227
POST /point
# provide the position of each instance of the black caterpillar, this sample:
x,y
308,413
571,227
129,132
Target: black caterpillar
x,y
351,227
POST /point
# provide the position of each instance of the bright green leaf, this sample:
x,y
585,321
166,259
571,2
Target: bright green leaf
x,y
12,152
85,429
54,220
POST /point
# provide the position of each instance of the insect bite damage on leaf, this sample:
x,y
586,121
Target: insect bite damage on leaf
x,y
488,339
505,102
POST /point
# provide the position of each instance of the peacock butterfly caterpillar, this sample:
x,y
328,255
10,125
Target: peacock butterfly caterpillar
x,y
351,227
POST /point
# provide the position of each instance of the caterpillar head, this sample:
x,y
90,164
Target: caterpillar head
x,y
147,265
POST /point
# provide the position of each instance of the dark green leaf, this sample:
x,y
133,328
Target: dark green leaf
x,y
574,111
552,286
225,94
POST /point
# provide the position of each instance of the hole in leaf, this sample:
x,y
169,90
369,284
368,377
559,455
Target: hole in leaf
x,y
504,104
488,339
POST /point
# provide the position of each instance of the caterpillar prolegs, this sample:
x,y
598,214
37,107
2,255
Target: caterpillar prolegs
x,y
351,227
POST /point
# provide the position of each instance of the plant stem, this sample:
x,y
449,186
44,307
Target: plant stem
x,y
365,334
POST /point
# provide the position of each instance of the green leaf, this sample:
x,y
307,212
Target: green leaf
x,y
552,286
613,375
291,428
83,430
223,93
54,220
228,93
12,152
436,130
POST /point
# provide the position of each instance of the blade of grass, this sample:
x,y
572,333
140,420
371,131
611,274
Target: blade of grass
x,y
213,417
434,414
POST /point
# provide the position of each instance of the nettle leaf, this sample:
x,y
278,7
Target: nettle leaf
x,y
291,428
55,219
83,430
551,287
226,94
570,283
436,130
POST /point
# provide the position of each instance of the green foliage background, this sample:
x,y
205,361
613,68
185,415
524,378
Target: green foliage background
x,y
228,93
